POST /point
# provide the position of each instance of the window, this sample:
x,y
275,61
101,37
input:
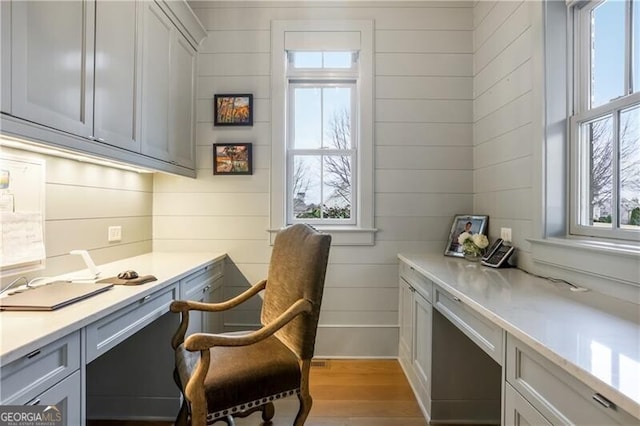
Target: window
x,y
605,125
322,127
321,141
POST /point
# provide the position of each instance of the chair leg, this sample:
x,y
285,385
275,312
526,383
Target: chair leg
x,y
305,398
183,415
268,411
305,407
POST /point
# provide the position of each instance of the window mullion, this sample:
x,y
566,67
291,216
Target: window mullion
x,y
615,164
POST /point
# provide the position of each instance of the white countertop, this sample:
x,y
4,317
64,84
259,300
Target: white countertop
x,y
593,337
26,331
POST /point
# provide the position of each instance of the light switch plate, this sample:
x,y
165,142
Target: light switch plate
x,y
115,233
505,234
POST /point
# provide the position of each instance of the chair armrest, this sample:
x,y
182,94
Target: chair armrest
x,y
189,305
204,341
184,306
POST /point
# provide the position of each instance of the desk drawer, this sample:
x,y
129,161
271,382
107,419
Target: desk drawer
x,y
106,333
483,332
558,396
202,281
416,280
29,376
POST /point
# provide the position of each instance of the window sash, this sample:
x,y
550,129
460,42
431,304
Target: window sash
x,y
580,167
292,152
580,155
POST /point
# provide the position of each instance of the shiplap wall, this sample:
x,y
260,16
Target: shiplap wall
x,y
423,166
81,201
503,116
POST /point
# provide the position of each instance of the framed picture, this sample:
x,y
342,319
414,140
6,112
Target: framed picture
x,y
232,159
474,224
233,110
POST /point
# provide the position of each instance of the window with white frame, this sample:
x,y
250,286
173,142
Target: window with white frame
x,y
322,127
322,141
605,125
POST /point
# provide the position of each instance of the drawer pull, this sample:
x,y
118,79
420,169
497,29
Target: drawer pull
x,y
411,267
602,400
207,288
33,354
34,402
457,299
146,298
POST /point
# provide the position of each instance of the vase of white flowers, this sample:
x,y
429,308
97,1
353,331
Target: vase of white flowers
x,y
473,245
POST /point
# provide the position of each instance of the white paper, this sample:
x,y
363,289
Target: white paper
x,y
22,238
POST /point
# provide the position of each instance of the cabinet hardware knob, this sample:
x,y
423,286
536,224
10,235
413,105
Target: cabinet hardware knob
x,y
602,400
34,402
457,299
204,290
144,299
33,354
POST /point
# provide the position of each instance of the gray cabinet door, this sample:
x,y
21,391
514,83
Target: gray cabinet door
x,y
156,71
421,357
406,321
118,73
52,63
518,412
182,102
66,397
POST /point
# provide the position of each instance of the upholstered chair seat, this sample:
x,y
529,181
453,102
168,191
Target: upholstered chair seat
x,y
229,375
252,376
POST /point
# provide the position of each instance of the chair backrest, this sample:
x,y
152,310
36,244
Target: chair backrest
x,y
297,270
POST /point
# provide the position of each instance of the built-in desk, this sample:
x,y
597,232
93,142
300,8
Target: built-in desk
x,y
44,355
561,357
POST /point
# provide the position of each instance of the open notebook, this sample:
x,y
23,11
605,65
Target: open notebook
x,y
51,296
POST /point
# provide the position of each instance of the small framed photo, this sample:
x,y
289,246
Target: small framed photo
x,y
233,110
232,159
474,224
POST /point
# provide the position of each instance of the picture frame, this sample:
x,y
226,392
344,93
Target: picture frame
x,y
476,224
233,110
232,159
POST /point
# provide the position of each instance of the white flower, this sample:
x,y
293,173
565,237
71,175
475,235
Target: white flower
x,y
463,237
480,240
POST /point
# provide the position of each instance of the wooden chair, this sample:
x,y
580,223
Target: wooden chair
x,y
222,376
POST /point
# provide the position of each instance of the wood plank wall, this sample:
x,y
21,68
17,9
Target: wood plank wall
x,y
504,118
423,165
81,201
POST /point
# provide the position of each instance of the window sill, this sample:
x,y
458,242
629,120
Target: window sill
x,y
618,262
343,235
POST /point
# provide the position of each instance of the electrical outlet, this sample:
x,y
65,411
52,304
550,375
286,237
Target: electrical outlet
x,y
115,233
505,234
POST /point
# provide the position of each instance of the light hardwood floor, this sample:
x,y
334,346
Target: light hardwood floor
x,y
345,392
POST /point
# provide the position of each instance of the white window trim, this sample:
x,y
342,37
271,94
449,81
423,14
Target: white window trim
x,y
364,232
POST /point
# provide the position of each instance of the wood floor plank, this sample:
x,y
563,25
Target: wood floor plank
x,y
345,393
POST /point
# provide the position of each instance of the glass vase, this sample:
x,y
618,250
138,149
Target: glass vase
x,y
473,256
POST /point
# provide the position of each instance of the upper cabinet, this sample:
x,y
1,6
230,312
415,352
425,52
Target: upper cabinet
x,y
112,79
118,85
52,64
182,106
168,90
156,70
